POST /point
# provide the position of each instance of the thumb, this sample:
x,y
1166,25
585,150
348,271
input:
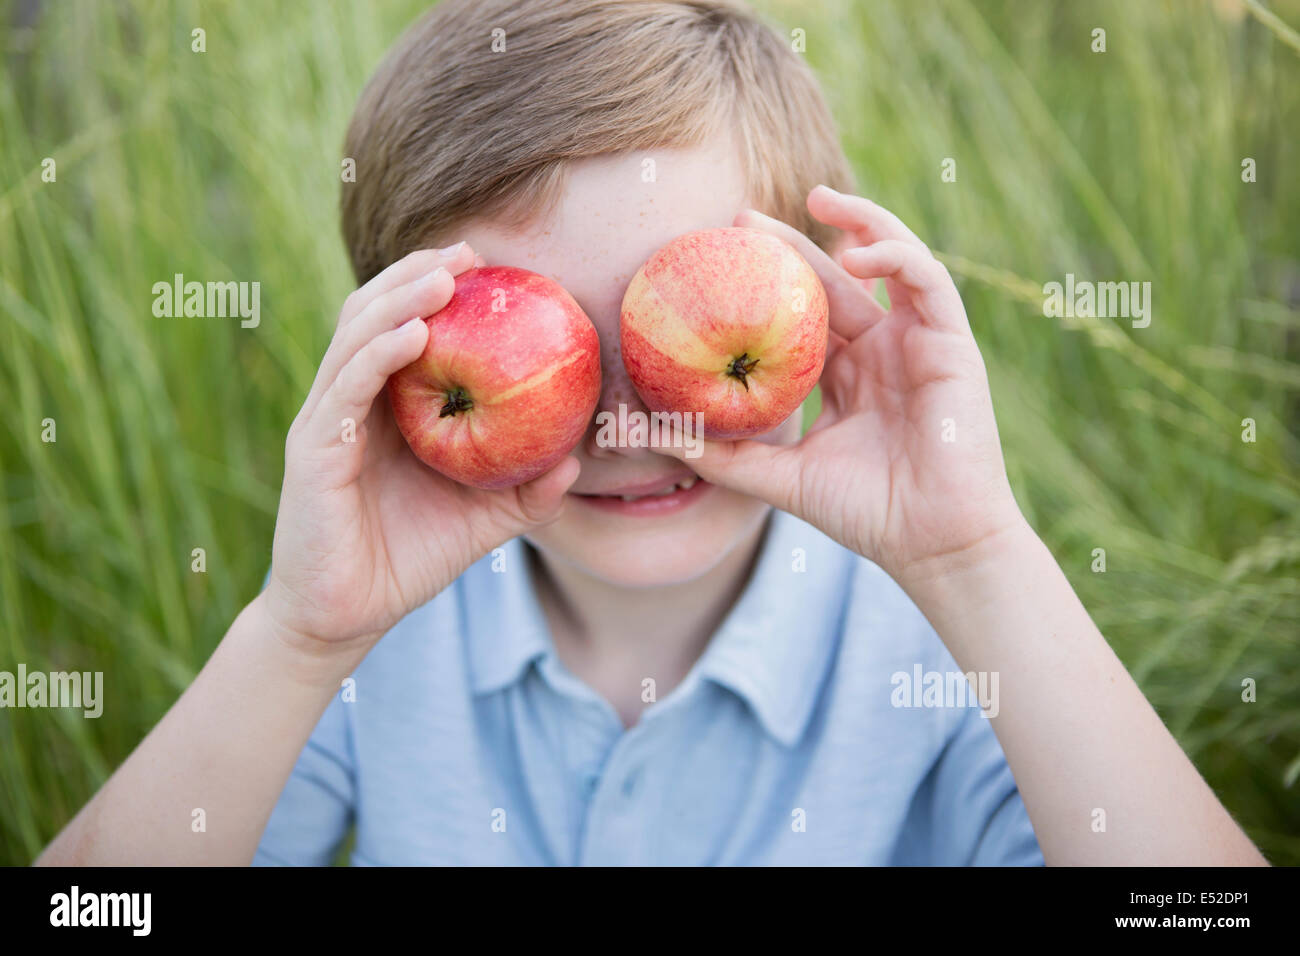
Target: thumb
x,y
540,500
753,468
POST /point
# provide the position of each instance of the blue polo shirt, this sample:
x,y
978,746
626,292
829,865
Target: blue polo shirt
x,y
800,736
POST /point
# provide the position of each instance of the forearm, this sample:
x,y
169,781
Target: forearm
x,y
226,747
1077,732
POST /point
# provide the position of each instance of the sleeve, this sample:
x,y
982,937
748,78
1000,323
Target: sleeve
x,y
978,817
315,809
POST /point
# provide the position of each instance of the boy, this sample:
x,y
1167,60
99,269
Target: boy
x,y
639,657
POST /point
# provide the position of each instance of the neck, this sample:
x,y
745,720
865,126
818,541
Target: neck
x,y
615,637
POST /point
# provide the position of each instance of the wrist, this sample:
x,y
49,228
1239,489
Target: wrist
x,y
999,551
308,658
972,595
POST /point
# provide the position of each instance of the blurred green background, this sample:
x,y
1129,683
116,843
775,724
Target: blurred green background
x,y
225,166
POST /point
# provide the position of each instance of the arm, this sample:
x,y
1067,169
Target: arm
x,y
904,466
1076,730
226,746
364,535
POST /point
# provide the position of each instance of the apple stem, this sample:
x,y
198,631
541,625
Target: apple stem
x,y
740,367
458,400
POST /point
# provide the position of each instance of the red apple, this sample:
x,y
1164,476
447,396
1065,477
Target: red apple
x,y
507,383
728,322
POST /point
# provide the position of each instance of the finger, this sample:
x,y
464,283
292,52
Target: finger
x,y
923,278
834,343
455,259
423,297
751,467
541,500
872,285
360,381
852,309
869,222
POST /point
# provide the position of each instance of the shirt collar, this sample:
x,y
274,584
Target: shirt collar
x,y
775,647
501,618
773,650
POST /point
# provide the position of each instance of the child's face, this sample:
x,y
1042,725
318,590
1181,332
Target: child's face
x,y
607,223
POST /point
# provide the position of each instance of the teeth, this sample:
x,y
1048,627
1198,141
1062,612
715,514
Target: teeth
x,y
685,485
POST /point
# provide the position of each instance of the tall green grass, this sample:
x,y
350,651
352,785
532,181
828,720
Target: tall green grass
x,y
225,166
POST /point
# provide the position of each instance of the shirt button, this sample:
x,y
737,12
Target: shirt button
x,y
629,783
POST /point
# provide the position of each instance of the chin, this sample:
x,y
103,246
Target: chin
x,y
652,552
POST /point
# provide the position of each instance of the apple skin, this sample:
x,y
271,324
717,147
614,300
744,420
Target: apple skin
x,y
729,322
500,396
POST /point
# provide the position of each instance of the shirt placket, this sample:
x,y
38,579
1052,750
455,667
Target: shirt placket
x,y
616,827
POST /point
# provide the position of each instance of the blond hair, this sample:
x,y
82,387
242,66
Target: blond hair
x,y
477,109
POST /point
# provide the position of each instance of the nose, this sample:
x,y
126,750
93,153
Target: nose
x,y
616,390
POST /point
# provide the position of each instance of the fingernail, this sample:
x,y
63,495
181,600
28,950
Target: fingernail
x,y
408,325
834,192
450,251
434,276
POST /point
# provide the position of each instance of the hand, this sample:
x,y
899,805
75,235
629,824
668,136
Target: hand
x,y
366,532
903,465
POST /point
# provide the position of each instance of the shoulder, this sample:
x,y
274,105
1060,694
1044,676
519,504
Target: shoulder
x,y
882,649
875,615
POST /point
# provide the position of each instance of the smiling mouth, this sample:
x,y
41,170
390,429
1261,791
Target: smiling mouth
x,y
686,484
649,499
